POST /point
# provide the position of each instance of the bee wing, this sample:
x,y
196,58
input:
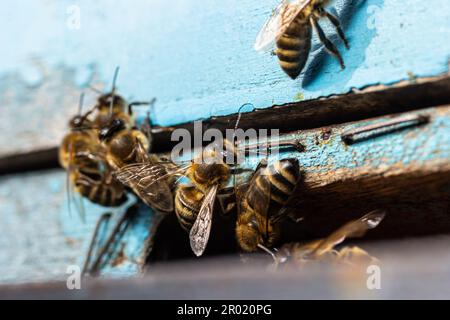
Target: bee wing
x,y
149,182
278,22
352,229
199,233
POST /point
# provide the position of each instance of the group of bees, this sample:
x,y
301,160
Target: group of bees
x,y
106,157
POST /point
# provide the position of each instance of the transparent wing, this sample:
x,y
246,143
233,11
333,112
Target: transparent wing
x,y
278,22
353,229
72,196
149,182
199,234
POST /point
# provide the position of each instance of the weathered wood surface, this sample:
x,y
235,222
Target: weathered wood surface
x,y
409,269
197,58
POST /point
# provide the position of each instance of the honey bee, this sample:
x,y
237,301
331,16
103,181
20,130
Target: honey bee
x,y
111,105
88,173
323,249
194,205
126,150
262,205
290,27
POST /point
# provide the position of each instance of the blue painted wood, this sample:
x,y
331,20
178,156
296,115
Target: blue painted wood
x,y
197,57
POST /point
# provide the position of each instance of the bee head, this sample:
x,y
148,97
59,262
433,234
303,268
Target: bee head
x,y
115,126
104,102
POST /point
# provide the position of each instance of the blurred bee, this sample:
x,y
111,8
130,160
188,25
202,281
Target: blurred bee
x,y
290,27
323,249
262,206
111,106
81,154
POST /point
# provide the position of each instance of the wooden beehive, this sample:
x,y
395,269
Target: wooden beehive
x,y
197,58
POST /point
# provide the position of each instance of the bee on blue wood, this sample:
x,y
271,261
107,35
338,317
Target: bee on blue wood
x,y
290,27
84,156
88,173
194,203
262,204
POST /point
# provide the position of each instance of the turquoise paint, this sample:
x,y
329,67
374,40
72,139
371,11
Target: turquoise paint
x,y
132,239
197,58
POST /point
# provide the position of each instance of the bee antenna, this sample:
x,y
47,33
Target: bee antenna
x,y
265,249
91,87
80,103
113,90
240,114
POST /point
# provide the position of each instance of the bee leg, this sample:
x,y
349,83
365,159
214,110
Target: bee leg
x,y
331,48
104,218
335,21
146,127
107,250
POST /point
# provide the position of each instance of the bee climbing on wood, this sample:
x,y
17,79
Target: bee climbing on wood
x,y
262,204
290,27
88,173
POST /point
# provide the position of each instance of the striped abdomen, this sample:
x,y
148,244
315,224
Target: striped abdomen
x,y
276,182
294,45
188,201
95,188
